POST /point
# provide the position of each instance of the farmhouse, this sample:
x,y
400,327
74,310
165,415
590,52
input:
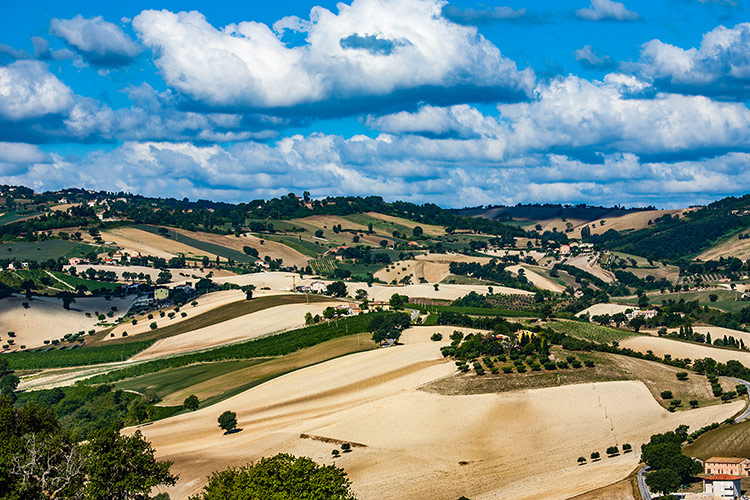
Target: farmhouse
x,y
638,313
318,287
735,466
722,486
349,309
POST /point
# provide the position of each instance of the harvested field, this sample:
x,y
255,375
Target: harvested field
x,y
732,247
429,230
138,242
217,385
282,281
45,319
590,264
624,222
599,309
661,346
273,249
537,279
249,326
433,268
719,332
627,489
436,446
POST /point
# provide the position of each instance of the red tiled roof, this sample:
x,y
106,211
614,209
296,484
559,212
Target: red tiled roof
x,y
726,460
721,477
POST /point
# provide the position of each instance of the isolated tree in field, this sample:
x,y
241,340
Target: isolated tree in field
x,y
627,448
666,394
228,421
248,289
595,455
637,322
436,337
581,460
360,294
191,403
282,477
663,481
681,375
713,297
417,231
612,450
67,299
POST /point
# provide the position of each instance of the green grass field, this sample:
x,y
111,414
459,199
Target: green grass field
x,y
590,331
52,284
44,250
171,381
304,247
16,215
82,356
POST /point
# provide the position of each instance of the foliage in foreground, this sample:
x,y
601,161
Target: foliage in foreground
x,y
282,477
40,459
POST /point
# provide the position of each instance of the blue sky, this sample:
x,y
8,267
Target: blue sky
x,y
458,103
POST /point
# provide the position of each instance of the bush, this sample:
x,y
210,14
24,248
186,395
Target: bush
x,y
550,365
581,460
595,455
613,450
676,402
436,337
693,403
717,390
627,448
681,375
507,369
576,364
666,394
589,364
152,325
741,389
191,403
562,364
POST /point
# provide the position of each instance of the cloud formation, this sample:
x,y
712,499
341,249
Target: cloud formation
x,y
478,17
247,65
100,42
28,90
603,10
591,60
719,66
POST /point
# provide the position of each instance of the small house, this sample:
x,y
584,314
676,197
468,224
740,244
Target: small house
x,y
318,287
722,486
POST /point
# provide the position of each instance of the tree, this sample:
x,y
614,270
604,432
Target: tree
x,y
613,450
282,477
666,394
319,233
619,318
228,421
191,402
713,297
122,467
360,294
248,289
637,322
67,299
436,337
397,301
336,289
388,326
643,301
595,455
627,448
417,231
8,380
581,460
663,481
681,375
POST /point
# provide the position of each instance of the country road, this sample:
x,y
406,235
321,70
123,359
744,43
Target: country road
x,y
642,486
746,414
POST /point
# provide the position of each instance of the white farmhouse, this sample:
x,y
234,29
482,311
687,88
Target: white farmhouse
x,y
722,486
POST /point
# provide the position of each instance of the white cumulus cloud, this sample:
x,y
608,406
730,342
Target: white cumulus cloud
x,y
607,10
29,90
369,48
98,41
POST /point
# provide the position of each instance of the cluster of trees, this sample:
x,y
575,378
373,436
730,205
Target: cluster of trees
x,y
40,458
663,453
282,477
389,326
493,271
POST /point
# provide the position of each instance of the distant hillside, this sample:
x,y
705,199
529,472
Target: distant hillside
x,y
684,236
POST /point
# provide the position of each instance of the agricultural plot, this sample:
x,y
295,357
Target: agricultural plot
x,y
590,331
47,249
52,282
438,439
728,441
727,300
200,244
730,247
323,265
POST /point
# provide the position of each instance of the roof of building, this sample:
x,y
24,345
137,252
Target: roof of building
x,y
727,460
722,477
